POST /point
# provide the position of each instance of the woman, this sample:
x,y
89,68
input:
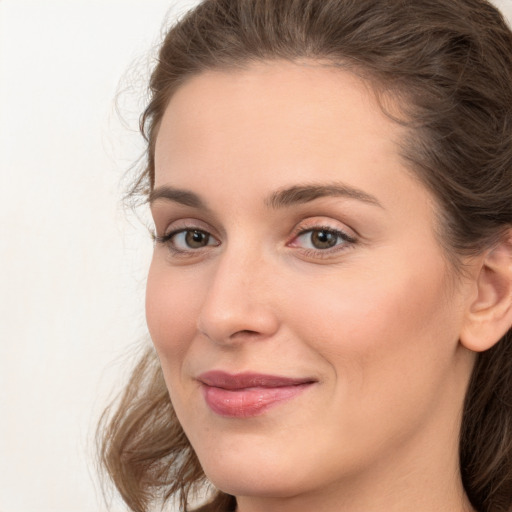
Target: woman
x,y
330,295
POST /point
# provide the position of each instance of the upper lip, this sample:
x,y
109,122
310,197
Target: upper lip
x,y
224,380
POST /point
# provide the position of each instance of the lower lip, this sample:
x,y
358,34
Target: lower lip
x,y
249,402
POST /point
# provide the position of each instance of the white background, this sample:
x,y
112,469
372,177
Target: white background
x,y
73,262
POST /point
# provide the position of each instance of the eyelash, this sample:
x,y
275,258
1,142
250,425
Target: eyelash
x,y
168,238
346,239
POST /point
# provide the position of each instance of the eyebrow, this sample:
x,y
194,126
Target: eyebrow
x,y
177,195
297,194
300,194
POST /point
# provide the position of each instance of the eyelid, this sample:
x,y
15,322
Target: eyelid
x,y
347,239
342,235
183,225
321,222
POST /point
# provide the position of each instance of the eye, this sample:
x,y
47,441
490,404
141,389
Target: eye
x,y
191,239
322,239
185,240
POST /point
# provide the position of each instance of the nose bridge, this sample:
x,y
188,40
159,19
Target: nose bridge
x,y
237,304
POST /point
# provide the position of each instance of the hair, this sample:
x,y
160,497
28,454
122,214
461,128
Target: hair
x,y
448,66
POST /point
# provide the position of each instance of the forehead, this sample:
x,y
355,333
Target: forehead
x,y
275,123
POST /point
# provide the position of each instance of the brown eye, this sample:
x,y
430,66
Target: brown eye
x,y
323,239
196,239
188,240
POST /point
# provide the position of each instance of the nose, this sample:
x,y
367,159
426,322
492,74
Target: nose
x,y
238,305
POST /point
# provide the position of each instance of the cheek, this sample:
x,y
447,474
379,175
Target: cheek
x,y
388,341
170,310
387,326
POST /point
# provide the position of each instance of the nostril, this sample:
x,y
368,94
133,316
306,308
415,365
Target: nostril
x,y
227,318
245,332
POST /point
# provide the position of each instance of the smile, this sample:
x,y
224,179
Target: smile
x,y
248,394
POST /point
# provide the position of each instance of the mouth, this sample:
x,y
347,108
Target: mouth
x,y
245,395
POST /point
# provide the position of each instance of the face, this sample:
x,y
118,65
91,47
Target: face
x,y
303,311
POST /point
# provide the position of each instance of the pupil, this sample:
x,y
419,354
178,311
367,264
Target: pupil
x,y
196,238
323,239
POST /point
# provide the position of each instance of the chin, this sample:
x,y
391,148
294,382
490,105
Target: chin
x,y
254,475
254,484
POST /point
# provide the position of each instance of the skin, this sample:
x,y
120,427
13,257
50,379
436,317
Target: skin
x,y
375,322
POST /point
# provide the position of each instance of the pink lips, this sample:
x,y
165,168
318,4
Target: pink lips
x,y
248,394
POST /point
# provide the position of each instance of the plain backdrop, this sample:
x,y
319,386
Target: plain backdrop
x,y
73,262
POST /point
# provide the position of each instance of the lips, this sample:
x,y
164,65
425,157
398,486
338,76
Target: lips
x,y
245,395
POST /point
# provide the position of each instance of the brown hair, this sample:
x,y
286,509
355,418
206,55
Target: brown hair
x,y
448,64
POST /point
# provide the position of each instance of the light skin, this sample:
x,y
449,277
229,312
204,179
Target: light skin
x,y
315,254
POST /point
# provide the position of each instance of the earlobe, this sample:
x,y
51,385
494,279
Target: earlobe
x,y
489,315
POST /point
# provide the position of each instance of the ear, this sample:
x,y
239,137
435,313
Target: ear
x,y
489,315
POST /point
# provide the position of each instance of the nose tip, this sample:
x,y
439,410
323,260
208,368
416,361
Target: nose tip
x,y
237,307
232,327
